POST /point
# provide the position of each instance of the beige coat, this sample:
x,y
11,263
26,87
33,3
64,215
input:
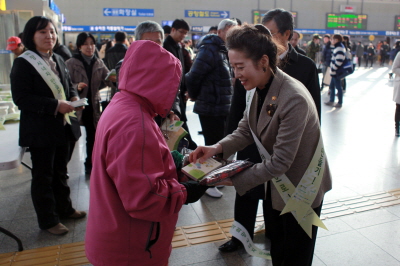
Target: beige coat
x,y
78,74
396,83
291,136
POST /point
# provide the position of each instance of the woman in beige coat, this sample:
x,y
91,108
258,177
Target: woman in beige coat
x,y
284,119
88,75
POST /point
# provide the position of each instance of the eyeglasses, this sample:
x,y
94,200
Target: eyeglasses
x,y
88,44
183,32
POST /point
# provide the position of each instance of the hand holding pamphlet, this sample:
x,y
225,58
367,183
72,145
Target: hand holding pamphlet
x,y
197,171
80,102
112,73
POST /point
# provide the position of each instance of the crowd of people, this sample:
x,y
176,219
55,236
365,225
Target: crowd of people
x,y
252,87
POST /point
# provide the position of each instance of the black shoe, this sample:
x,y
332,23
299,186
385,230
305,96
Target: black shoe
x,y
88,168
231,246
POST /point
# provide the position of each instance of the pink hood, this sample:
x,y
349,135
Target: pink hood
x,y
136,78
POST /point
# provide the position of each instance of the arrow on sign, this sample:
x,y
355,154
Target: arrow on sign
x,y
225,15
107,12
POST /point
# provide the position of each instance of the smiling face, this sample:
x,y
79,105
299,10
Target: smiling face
x,y
45,39
250,74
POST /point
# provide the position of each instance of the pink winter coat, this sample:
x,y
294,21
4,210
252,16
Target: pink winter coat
x,y
134,193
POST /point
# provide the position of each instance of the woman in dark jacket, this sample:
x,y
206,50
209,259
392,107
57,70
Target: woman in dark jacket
x,y
88,75
41,89
370,54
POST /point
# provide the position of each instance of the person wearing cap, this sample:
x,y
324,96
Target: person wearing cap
x,y
14,44
313,47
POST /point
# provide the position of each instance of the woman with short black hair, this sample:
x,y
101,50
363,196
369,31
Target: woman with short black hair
x,y
88,75
42,90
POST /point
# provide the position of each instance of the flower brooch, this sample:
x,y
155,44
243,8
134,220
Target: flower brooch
x,y
271,108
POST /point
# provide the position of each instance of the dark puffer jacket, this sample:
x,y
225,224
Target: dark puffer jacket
x,y
209,80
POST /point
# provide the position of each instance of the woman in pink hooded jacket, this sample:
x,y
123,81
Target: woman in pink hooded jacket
x,y
134,193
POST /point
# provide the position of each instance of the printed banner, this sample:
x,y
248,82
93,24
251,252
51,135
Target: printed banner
x,y
238,231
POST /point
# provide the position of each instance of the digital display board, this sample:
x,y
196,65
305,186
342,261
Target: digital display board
x,y
397,22
258,14
346,21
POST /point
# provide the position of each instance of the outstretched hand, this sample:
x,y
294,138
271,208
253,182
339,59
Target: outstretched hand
x,y
204,152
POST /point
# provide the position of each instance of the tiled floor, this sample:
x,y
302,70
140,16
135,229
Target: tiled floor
x,y
364,157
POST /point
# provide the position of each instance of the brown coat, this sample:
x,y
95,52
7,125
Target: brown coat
x,y
291,136
78,74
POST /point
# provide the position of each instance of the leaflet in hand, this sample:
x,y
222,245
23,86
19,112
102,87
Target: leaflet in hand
x,y
80,102
197,171
173,126
111,73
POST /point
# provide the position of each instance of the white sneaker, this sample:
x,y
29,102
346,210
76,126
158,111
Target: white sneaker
x,y
214,192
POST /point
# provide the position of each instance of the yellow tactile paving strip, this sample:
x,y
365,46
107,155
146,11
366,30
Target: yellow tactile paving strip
x,y
185,236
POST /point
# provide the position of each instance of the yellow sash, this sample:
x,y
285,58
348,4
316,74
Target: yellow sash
x,y
49,77
298,199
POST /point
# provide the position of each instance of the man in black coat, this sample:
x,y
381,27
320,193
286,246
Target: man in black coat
x,y
117,52
302,68
172,44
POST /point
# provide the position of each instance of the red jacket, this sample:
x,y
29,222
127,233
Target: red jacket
x,y
134,193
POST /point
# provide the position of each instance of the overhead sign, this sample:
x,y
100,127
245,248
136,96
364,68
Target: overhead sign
x,y
349,32
206,14
127,12
197,28
397,22
3,5
54,7
167,22
347,9
98,28
346,21
257,16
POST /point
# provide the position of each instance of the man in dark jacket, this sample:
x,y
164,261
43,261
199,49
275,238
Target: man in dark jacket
x,y
302,68
209,85
384,52
326,57
294,41
172,44
117,52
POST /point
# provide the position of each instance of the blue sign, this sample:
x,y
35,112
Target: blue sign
x,y
54,7
5,52
197,28
349,32
206,14
98,28
127,12
167,22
